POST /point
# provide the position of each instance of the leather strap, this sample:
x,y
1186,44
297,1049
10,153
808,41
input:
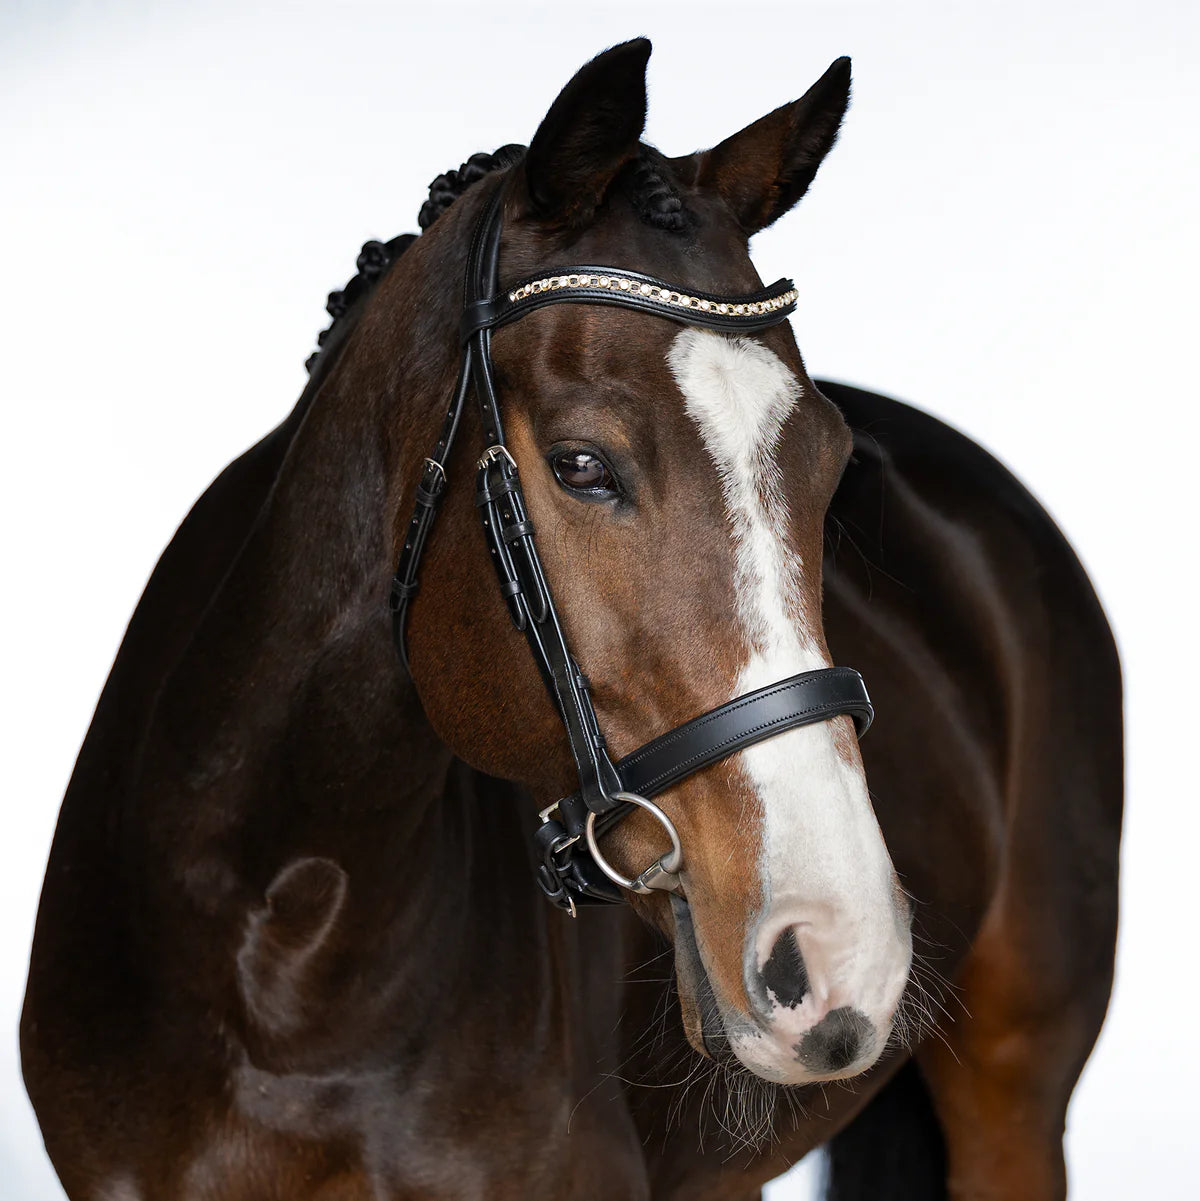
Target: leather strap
x,y
510,539
405,582
425,510
633,290
800,700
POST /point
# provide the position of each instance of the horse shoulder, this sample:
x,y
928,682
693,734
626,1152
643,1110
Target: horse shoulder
x,y
81,961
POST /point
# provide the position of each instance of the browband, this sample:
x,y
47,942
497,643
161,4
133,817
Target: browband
x,y
569,867
632,290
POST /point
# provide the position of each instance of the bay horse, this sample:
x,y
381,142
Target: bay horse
x,y
290,944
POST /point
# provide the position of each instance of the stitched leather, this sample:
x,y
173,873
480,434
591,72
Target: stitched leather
x,y
510,539
800,700
500,310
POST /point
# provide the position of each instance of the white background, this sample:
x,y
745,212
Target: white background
x,y
1005,235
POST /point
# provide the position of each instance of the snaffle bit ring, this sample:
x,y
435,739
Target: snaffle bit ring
x,y
663,873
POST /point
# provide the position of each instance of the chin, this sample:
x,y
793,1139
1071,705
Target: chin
x,y
793,1064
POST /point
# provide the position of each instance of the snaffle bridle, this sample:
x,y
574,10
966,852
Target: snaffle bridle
x,y
570,867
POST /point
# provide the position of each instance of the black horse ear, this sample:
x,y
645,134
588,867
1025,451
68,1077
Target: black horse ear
x,y
590,132
763,170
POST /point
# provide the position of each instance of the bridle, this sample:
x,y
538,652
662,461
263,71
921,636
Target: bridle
x,y
570,866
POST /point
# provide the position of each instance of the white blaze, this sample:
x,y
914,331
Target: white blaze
x,y
823,857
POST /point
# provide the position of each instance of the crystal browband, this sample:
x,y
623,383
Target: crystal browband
x,y
657,292
629,289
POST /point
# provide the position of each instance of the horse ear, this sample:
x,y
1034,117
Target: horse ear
x,y
763,170
590,132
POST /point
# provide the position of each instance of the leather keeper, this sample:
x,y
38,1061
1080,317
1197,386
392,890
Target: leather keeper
x,y
517,531
477,315
401,592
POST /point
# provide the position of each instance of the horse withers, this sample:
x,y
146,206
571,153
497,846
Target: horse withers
x,y
292,941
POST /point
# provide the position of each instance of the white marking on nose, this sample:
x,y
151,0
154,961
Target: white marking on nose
x,y
739,393
824,864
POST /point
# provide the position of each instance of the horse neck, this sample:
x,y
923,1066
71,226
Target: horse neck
x,y
296,819
287,729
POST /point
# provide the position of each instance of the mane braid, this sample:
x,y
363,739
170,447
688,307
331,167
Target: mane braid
x,y
447,188
646,182
374,261
655,197
376,258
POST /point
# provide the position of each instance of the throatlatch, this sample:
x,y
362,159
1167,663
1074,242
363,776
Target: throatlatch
x,y
571,867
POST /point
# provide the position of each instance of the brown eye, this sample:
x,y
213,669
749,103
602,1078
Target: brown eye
x,y
582,471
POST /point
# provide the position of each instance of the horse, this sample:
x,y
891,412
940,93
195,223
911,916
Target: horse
x,y
293,942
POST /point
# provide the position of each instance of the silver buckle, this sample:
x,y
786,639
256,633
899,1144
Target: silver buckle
x,y
663,873
567,840
494,452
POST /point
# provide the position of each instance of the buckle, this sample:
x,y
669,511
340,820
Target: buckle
x,y
552,842
495,451
430,486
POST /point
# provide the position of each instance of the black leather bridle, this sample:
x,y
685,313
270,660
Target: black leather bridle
x,y
570,867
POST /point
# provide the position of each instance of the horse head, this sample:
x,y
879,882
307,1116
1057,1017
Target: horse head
x,y
678,479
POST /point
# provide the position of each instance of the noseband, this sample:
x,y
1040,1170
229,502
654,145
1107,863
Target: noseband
x,y
570,866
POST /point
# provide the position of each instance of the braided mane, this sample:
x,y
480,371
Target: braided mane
x,y
376,258
645,181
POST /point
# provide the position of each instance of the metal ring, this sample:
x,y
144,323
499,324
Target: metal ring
x,y
437,467
662,873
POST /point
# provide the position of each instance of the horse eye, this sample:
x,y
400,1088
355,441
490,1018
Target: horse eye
x,y
582,471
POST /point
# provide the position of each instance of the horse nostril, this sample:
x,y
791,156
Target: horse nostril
x,y
784,973
835,1041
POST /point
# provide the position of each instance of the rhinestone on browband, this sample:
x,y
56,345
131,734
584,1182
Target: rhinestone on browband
x,y
682,300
